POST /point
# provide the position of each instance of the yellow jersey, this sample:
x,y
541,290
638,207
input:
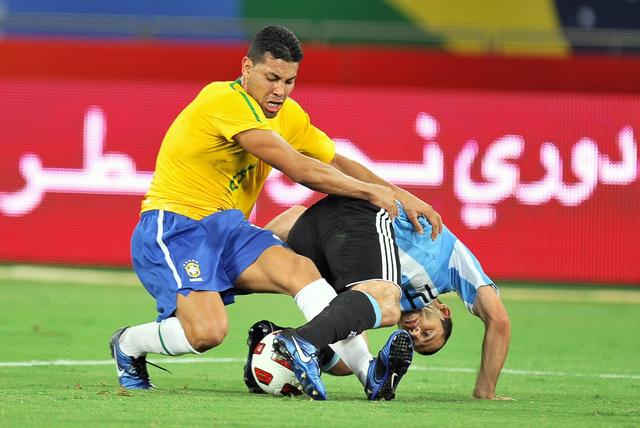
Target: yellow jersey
x,y
200,169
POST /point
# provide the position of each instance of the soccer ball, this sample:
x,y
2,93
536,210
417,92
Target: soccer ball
x,y
272,372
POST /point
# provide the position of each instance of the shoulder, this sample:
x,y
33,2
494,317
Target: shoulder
x,y
214,93
292,104
228,89
229,100
292,108
292,121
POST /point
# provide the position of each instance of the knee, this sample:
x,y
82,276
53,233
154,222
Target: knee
x,y
392,311
206,335
301,272
302,265
387,297
390,314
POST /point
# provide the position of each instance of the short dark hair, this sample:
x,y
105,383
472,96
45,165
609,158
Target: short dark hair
x,y
447,327
278,41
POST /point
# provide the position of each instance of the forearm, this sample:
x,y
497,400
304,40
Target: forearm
x,y
404,196
324,178
362,173
494,353
413,206
272,149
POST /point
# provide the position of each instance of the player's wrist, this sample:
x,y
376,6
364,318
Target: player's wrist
x,y
484,394
372,192
483,390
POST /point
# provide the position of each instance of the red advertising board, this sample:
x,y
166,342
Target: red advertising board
x,y
540,186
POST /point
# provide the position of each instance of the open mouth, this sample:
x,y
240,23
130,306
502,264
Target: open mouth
x,y
274,106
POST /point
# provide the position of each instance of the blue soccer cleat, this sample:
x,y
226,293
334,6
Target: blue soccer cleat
x,y
386,370
132,372
303,357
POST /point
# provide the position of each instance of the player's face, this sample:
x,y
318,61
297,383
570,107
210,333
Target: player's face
x,y
425,328
269,82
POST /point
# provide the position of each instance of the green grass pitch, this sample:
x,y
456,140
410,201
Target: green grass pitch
x,y
574,361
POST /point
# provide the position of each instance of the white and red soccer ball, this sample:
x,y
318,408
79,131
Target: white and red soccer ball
x,y
272,372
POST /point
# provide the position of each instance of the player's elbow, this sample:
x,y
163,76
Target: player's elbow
x,y
390,316
306,171
299,171
296,176
501,324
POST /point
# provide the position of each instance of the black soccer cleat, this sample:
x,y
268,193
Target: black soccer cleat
x,y
256,333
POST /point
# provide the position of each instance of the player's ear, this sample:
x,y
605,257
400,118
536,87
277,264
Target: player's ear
x,y
247,66
444,310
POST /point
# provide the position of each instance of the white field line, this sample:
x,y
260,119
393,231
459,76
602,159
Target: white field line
x,y
532,373
219,360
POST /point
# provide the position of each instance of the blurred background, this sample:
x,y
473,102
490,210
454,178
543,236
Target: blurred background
x,y
518,121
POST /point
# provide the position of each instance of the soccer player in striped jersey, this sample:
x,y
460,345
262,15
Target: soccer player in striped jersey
x,y
332,233
431,268
193,248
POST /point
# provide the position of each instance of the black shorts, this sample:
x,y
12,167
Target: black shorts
x,y
349,240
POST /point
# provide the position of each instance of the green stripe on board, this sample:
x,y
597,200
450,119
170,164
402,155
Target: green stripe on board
x,y
339,21
246,98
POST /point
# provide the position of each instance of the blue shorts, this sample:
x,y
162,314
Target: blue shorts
x,y
173,254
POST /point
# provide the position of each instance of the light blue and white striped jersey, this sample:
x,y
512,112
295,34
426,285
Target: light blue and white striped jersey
x,y
431,268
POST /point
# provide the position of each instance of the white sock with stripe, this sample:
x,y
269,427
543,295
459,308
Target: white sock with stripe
x,y
314,297
355,354
166,337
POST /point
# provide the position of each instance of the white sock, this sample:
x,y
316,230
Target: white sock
x,y
314,297
355,354
166,337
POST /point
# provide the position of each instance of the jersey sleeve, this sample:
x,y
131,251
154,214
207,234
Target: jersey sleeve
x,y
234,112
467,275
305,137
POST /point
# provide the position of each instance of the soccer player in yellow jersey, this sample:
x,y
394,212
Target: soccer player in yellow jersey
x,y
193,248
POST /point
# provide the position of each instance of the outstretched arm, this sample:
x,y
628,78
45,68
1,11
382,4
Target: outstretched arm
x,y
413,206
272,149
497,335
